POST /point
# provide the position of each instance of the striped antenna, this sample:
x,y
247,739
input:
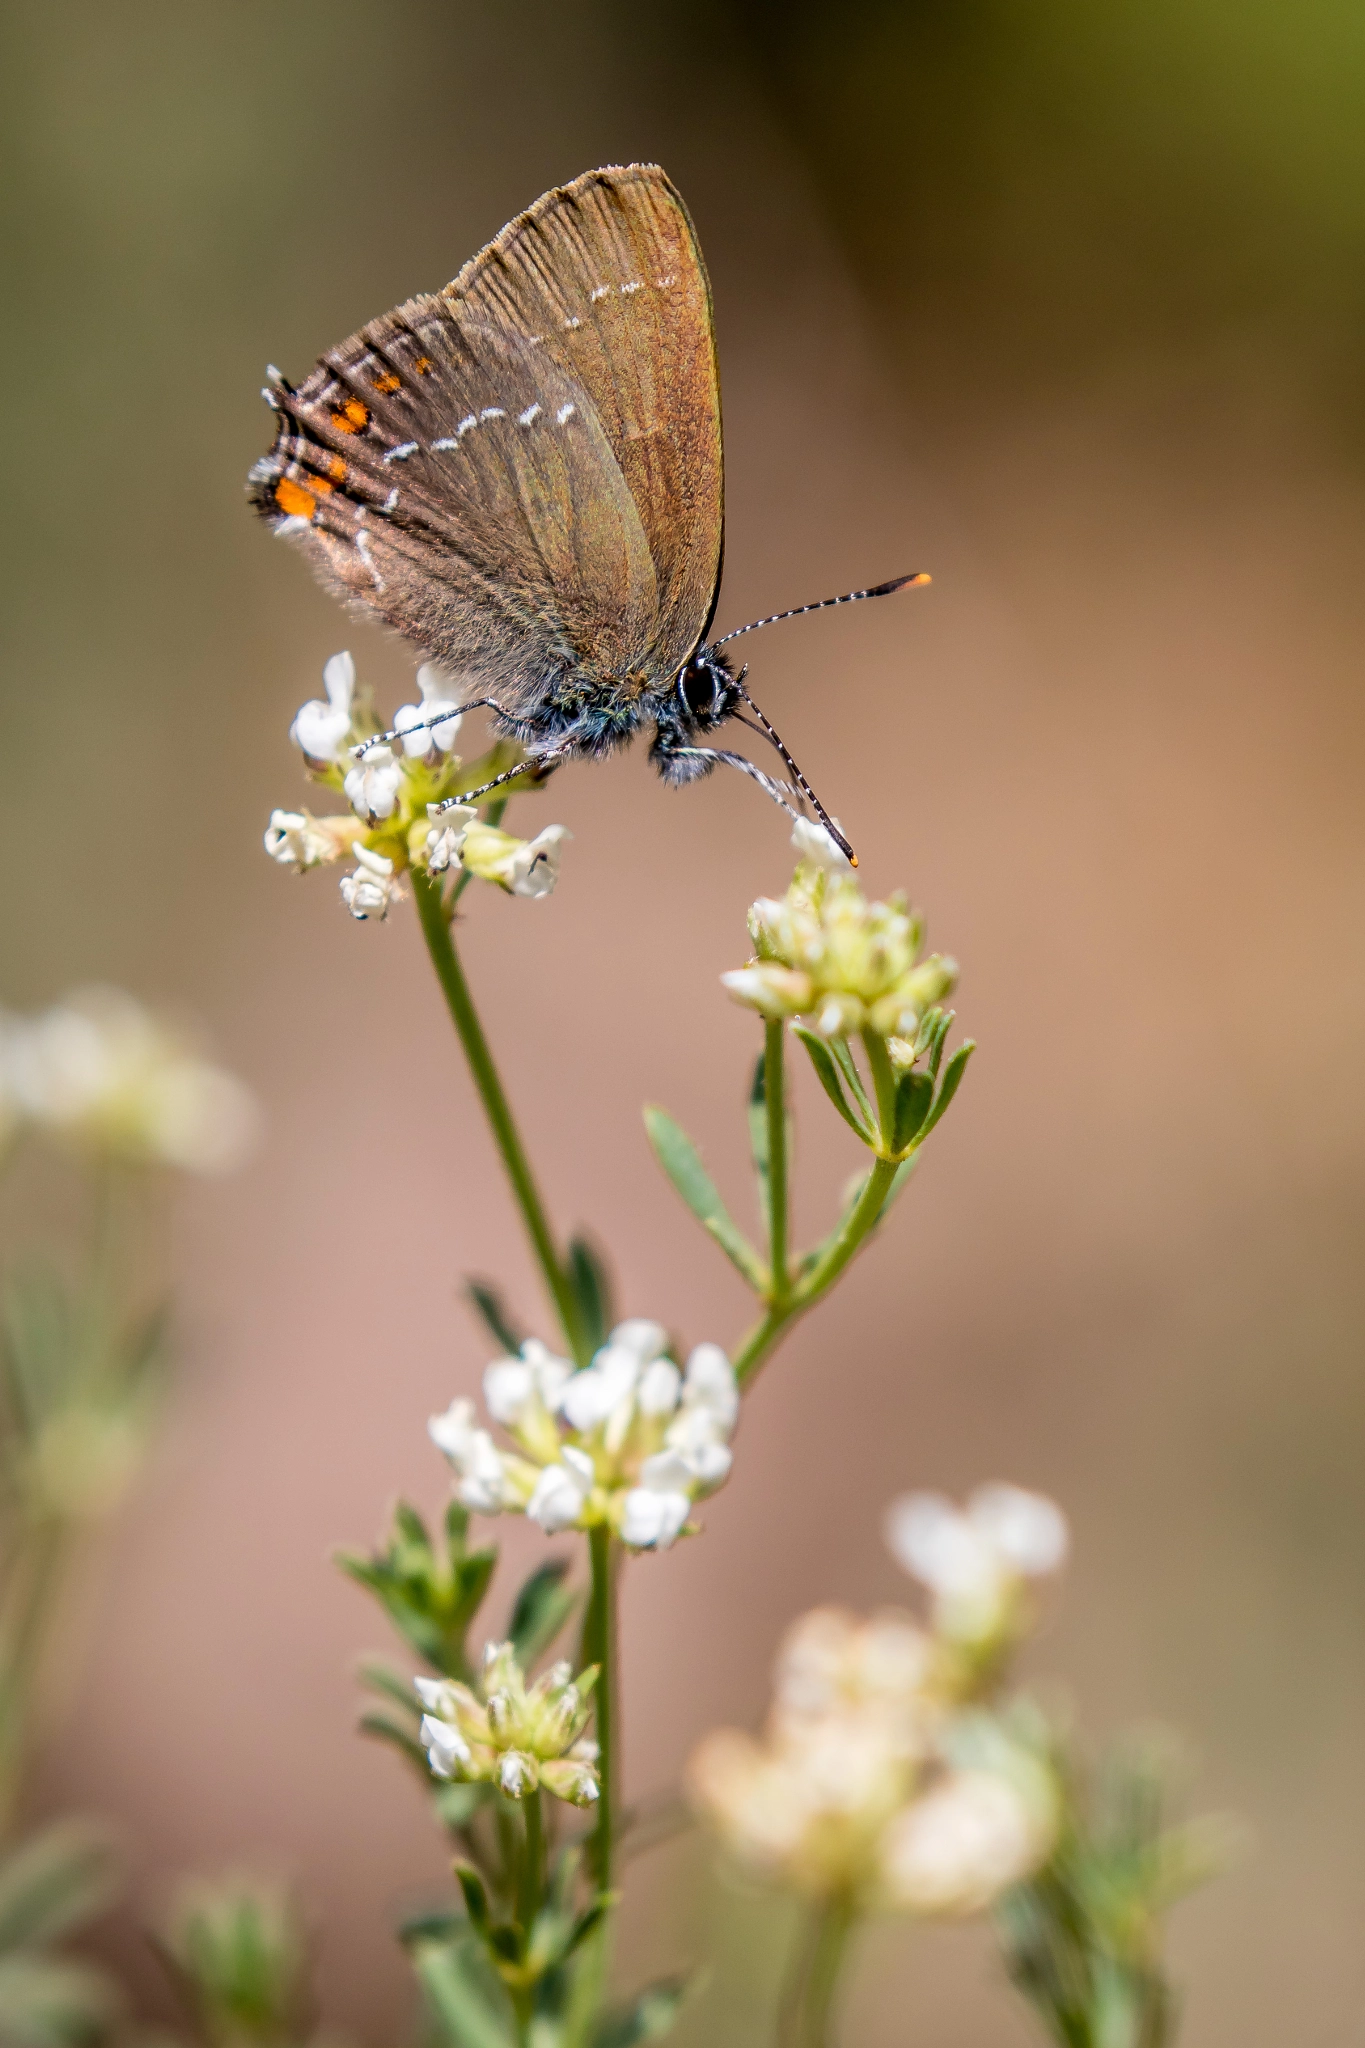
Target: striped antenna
x,y
849,597
797,777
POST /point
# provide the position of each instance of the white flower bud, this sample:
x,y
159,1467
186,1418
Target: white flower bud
x,y
437,734
534,868
373,887
652,1521
445,840
372,784
811,842
560,1496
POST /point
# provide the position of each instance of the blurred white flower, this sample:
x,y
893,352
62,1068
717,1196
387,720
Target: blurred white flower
x,y
963,1843
298,840
437,735
811,842
629,1441
974,1561
321,730
99,1070
373,887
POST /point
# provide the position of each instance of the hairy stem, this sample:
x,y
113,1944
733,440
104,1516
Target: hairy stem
x,y
775,1104
599,1647
441,946
809,1997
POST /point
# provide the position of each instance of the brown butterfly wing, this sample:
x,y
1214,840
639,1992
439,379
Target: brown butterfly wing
x,y
606,278
450,477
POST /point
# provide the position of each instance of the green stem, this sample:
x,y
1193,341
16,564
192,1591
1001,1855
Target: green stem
x,y
599,1647
441,946
856,1226
775,1104
532,1863
805,2015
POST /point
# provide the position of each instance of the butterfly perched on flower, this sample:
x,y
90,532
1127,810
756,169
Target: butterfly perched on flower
x,y
522,474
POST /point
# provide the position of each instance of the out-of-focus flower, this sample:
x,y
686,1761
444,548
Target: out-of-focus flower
x,y
629,1441
524,867
373,887
511,1735
966,1841
298,840
976,1561
322,729
100,1071
426,734
824,952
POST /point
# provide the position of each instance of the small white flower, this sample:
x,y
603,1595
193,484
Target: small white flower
x,y
511,1384
437,734
373,886
372,784
973,1561
659,1388
445,841
593,1395
444,1745
298,840
482,1480
517,1773
561,1492
710,1387
640,1336
533,869
322,729
961,1845
653,1520
813,843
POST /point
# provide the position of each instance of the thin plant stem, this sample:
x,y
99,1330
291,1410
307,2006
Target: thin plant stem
x,y
809,1998
856,1226
532,1863
599,1647
775,1103
436,930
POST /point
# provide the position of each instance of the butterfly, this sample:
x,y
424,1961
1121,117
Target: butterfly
x,y
522,474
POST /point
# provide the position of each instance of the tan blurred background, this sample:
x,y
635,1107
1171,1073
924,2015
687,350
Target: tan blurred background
x,y
1064,304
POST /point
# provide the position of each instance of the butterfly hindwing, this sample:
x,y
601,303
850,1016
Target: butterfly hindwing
x,y
607,275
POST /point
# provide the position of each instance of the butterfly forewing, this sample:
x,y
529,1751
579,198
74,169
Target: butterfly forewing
x,y
605,277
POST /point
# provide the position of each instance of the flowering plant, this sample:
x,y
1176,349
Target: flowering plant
x,y
897,1773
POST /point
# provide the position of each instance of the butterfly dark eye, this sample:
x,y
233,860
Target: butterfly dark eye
x,y
697,688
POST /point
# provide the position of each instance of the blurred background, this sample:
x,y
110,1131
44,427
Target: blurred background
x,y
1063,304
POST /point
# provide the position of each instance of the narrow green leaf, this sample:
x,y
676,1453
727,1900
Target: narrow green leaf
x,y
465,1998
543,1605
390,1685
475,1895
649,2015
828,1076
591,1282
758,1139
952,1075
914,1094
382,1729
842,1053
681,1161
54,1882
492,1311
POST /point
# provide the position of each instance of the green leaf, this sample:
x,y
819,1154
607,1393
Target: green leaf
x,y
681,1161
542,1607
758,1138
56,1881
853,1080
390,1684
475,1896
914,1095
591,1282
49,2003
648,2016
382,1729
466,2000
952,1075
492,1311
827,1073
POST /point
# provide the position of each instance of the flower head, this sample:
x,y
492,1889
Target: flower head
x,y
507,1733
629,1441
824,952
99,1071
976,1561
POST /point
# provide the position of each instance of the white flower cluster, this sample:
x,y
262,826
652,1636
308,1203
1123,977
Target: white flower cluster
x,y
884,1775
98,1071
397,791
630,1441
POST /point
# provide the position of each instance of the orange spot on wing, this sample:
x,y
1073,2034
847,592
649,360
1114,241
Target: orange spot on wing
x,y
336,470
293,499
320,483
352,417
422,365
386,382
